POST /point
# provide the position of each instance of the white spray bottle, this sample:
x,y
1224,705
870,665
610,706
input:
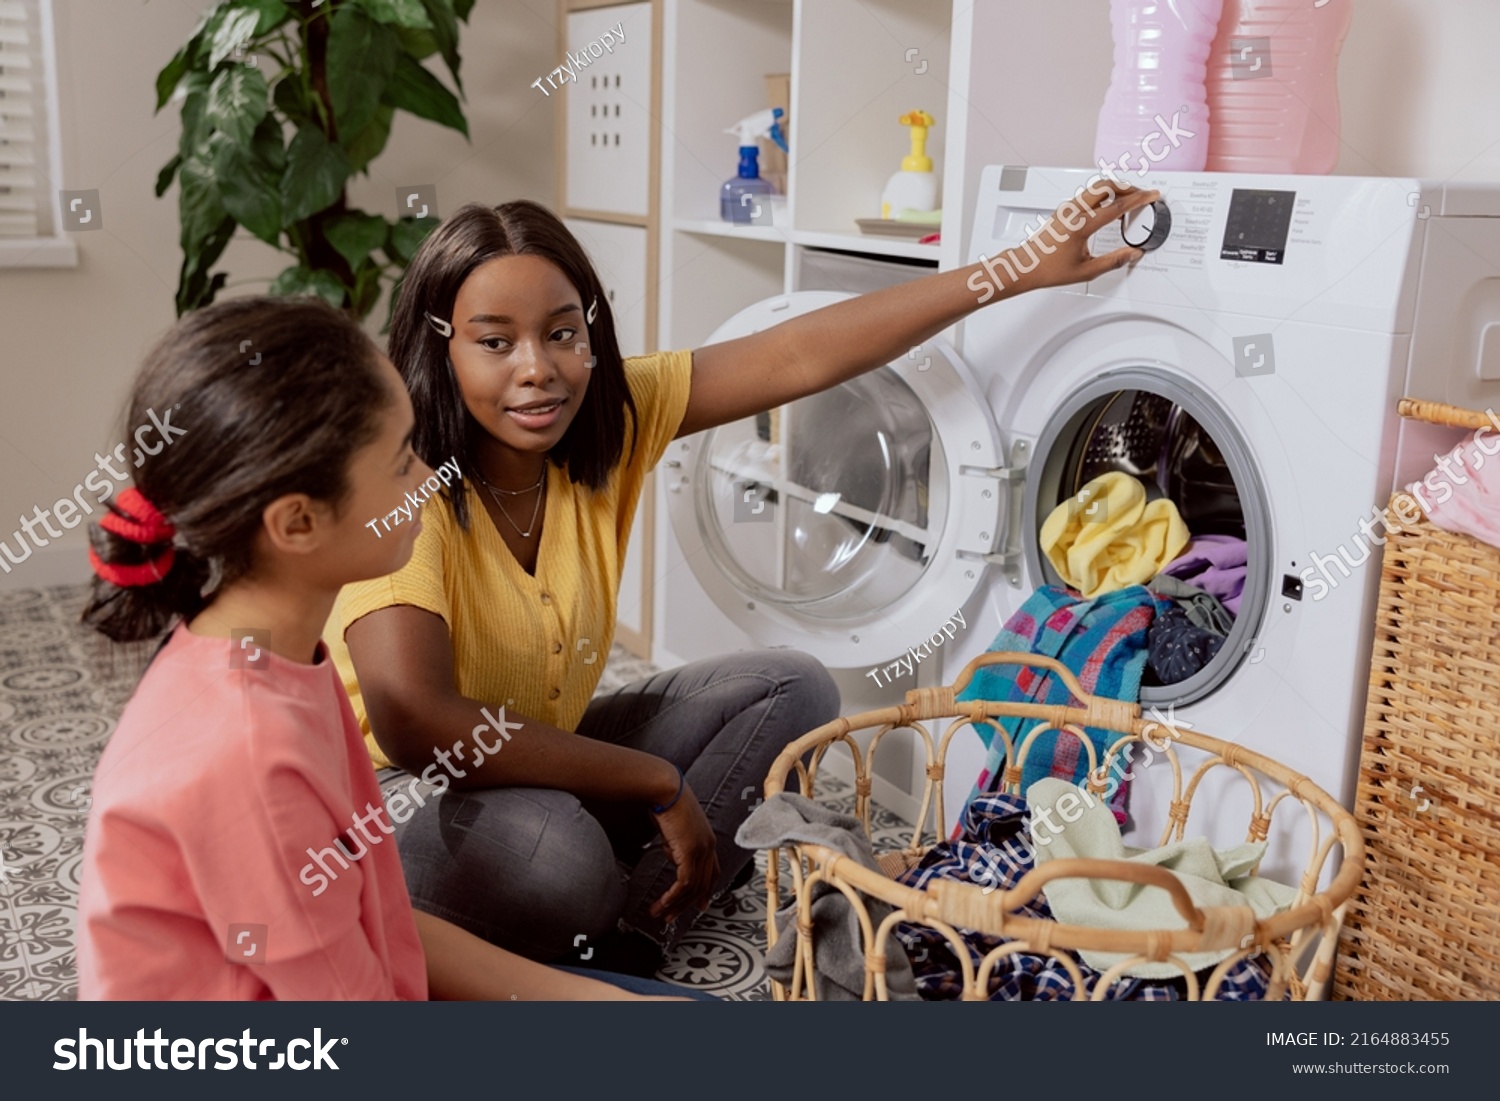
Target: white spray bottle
x,y
740,195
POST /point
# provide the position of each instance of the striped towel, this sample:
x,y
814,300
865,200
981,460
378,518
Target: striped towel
x,y
1102,642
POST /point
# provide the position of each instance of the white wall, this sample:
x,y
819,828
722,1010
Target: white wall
x,y
71,339
1417,83
1417,88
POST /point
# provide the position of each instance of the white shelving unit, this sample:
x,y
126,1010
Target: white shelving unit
x,y
1001,83
856,66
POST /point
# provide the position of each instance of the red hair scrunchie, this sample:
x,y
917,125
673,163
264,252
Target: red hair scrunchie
x,y
142,523
131,577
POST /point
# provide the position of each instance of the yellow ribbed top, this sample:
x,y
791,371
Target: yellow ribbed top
x,y
520,640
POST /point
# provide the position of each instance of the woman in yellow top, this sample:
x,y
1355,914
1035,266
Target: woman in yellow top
x,y
563,826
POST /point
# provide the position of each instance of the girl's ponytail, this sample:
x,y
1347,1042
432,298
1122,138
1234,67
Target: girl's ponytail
x,y
264,397
142,581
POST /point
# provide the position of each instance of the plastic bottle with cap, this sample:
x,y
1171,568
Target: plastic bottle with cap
x,y
1157,86
912,192
740,197
1273,86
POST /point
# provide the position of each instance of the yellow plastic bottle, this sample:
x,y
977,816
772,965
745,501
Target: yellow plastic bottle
x,y
913,191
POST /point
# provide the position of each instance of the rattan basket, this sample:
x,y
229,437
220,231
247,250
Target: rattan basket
x,y
1300,941
1425,922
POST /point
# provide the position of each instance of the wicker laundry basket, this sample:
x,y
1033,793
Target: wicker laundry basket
x,y
1300,941
1425,922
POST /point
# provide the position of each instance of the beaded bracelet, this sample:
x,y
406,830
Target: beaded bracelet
x,y
681,783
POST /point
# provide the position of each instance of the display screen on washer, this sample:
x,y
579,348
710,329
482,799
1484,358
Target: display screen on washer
x,y
1258,224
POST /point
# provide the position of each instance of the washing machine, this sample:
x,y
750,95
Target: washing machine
x,y
1248,368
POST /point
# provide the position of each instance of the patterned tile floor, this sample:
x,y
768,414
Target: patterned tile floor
x,y
61,689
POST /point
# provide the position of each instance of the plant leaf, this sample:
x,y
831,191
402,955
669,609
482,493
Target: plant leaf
x,y
365,146
172,73
233,32
268,145
355,234
361,57
194,288
200,210
406,235
194,104
168,172
237,100
462,8
248,188
401,13
182,60
299,280
273,13
445,34
418,44
412,88
366,288
314,176
291,98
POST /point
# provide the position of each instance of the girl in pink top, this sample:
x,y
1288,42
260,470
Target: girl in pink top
x,y
237,845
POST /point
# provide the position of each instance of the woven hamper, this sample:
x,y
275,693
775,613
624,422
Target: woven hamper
x,y
1299,942
1425,921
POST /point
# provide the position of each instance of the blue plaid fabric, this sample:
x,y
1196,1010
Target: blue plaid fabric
x,y
993,849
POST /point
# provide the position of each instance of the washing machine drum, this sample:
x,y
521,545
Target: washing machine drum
x,y
1154,439
1179,443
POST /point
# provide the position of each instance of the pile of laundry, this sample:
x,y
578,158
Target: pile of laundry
x,y
1002,837
995,849
1144,595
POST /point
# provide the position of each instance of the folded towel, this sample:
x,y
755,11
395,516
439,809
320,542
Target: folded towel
x,y
1109,536
1212,878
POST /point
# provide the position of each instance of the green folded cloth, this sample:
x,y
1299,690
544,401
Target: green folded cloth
x,y
1211,878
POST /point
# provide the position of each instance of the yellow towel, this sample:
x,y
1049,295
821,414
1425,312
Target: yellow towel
x,y
1108,537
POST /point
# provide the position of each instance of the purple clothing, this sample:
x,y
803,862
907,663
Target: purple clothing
x,y
1217,565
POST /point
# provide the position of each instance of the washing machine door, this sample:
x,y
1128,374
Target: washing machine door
x,y
852,523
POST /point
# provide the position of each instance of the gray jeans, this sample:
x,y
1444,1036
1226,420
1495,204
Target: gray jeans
x,y
535,869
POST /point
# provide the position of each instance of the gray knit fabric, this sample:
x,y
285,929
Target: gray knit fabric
x,y
838,952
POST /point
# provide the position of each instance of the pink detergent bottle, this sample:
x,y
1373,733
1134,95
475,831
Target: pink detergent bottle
x,y
1155,114
1273,86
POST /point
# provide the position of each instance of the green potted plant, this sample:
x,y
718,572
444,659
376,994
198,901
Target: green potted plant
x,y
282,102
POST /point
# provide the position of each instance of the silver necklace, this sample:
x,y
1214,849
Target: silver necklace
x,y
535,512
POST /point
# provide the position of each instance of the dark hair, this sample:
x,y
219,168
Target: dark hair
x,y
473,235
271,396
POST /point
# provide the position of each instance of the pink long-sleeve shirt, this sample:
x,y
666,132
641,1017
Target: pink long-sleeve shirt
x,y
197,881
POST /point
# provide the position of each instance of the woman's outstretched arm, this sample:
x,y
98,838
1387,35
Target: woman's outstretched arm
x,y
739,378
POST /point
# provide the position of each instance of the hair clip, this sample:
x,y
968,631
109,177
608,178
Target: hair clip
x,y
593,311
444,328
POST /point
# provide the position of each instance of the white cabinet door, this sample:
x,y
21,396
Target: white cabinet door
x,y
619,255
609,110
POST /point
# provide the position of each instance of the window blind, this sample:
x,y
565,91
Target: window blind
x,y
22,120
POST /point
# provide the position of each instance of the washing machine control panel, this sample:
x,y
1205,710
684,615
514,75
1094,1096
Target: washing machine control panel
x,y
1323,249
1147,228
1256,228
